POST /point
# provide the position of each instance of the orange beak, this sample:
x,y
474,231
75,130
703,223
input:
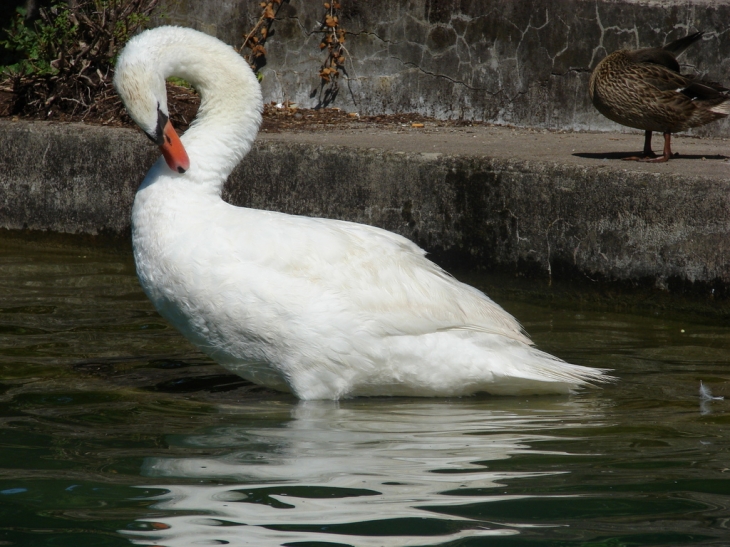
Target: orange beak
x,y
173,150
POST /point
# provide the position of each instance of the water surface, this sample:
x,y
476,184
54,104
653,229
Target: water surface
x,y
114,431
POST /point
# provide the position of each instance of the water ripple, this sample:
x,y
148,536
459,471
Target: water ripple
x,y
360,473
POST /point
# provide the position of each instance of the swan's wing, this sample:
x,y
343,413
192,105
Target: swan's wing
x,y
379,277
415,289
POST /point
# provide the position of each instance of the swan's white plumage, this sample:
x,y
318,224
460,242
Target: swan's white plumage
x,y
323,308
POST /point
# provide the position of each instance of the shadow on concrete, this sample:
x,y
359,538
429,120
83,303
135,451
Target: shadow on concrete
x,y
624,155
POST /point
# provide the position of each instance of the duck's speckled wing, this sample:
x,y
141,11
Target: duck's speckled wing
x,y
648,95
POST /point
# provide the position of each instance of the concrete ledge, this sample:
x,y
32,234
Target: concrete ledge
x,y
69,178
534,202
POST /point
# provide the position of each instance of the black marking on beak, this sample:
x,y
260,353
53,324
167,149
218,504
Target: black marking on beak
x,y
158,137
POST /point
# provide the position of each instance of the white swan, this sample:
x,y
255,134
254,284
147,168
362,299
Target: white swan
x,y
322,308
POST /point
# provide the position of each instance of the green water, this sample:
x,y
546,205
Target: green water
x,y
113,431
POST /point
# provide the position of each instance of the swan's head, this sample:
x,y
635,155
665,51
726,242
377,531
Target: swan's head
x,y
141,86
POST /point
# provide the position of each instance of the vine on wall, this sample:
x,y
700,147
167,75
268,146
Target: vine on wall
x,y
333,41
254,41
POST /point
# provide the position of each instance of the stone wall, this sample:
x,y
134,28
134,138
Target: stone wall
x,y
525,63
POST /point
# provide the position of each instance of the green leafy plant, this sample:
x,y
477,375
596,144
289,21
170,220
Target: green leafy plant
x,y
40,45
68,54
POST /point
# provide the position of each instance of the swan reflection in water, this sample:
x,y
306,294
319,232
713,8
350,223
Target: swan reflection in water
x,y
363,472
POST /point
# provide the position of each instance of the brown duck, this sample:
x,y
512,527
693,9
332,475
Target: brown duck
x,y
644,89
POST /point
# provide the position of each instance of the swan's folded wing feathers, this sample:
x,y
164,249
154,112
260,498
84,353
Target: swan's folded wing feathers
x,y
432,293
372,273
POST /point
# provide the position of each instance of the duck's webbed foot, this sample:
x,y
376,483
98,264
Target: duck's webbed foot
x,y
648,153
655,159
667,155
650,157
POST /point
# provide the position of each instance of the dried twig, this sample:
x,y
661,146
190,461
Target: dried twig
x,y
333,41
258,35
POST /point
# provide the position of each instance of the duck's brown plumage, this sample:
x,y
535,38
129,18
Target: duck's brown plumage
x,y
644,89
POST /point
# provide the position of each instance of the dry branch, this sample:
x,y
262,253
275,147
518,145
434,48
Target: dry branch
x,y
256,38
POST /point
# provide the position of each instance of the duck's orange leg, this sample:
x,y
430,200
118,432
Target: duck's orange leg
x,y
648,152
649,155
667,151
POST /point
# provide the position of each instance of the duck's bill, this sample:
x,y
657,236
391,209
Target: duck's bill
x,y
173,150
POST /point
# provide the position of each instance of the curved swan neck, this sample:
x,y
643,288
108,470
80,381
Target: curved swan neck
x,y
231,102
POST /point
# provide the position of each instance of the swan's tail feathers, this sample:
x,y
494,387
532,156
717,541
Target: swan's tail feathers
x,y
535,372
557,370
461,362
